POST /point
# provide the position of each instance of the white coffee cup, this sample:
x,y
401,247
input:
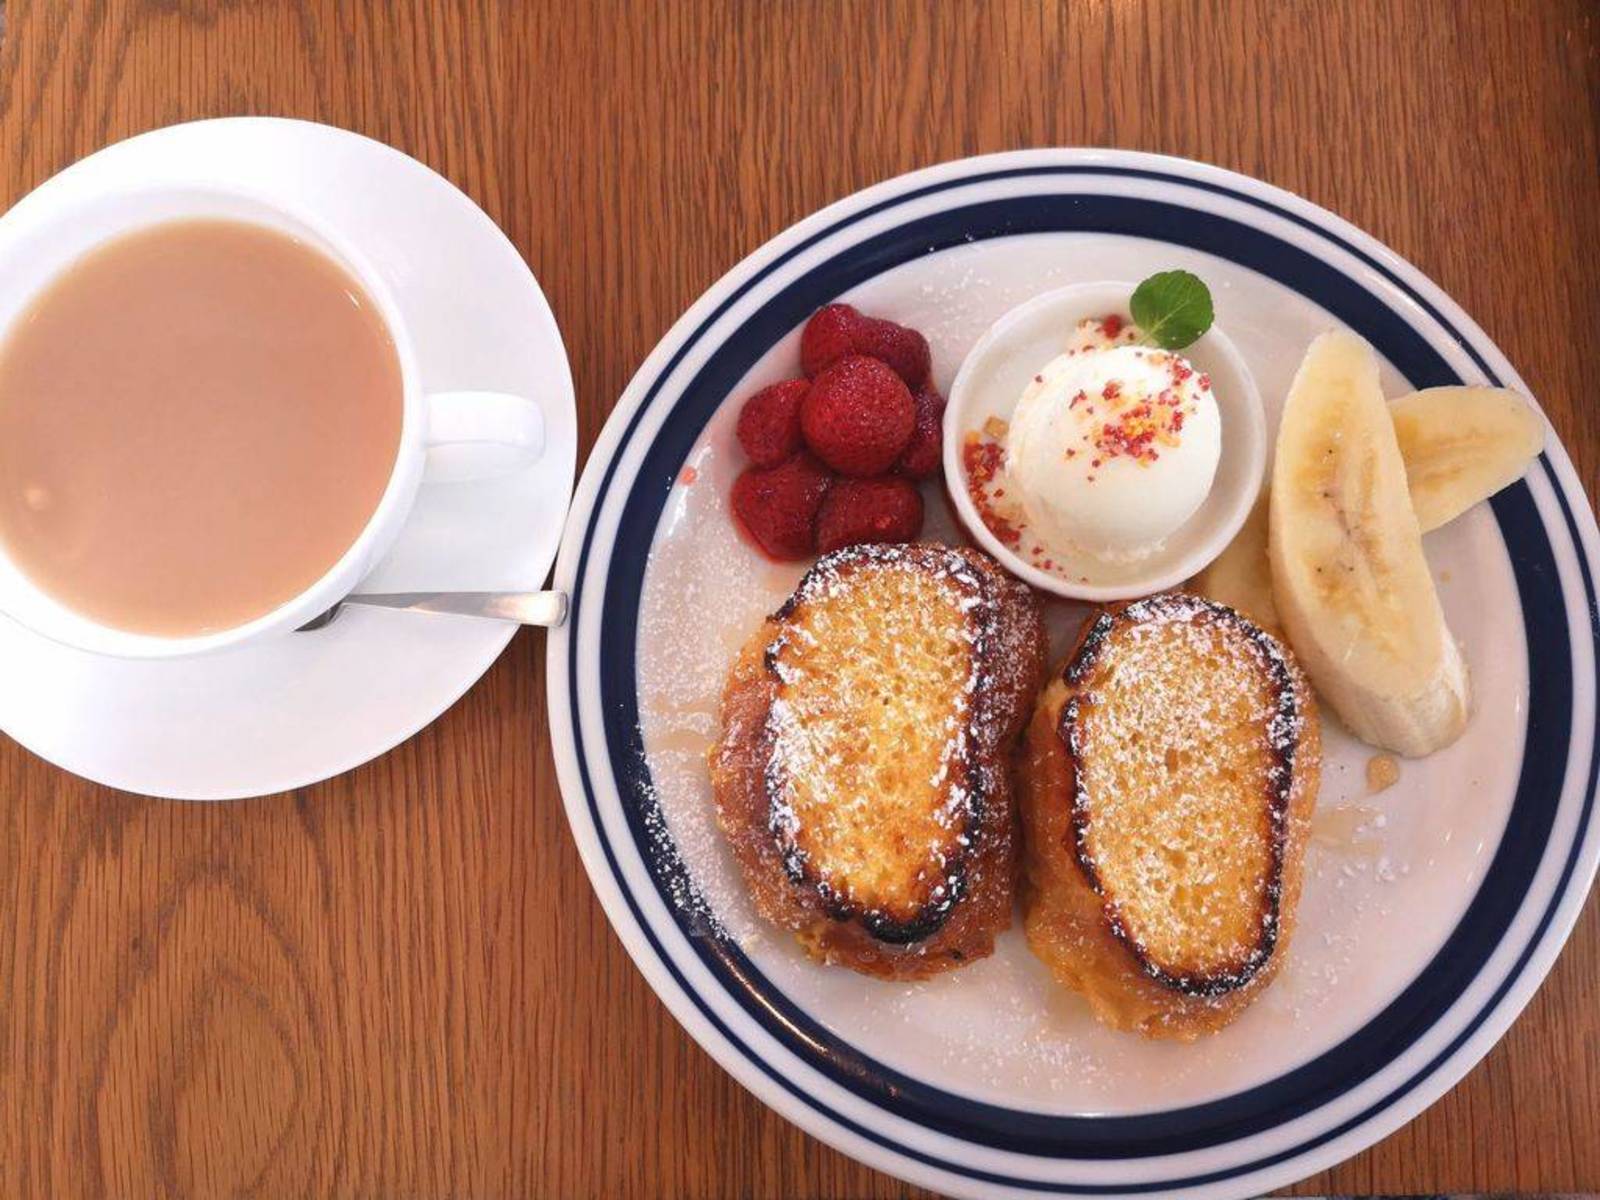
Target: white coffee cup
x,y
444,436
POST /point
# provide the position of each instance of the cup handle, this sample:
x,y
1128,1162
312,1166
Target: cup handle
x,y
481,435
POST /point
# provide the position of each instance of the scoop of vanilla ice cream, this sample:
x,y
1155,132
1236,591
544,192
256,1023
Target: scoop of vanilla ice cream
x,y
1111,450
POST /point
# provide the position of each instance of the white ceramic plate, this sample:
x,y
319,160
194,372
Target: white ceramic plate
x,y
1431,911
305,707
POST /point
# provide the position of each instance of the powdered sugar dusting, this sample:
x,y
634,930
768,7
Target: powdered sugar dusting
x,y
876,640
1188,710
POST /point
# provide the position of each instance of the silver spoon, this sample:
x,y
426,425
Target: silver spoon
x,y
548,609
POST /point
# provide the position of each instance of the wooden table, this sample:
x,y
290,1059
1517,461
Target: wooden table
x,y
399,983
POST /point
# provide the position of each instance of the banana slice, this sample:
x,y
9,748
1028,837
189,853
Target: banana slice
x,y
1462,445
1240,577
1348,576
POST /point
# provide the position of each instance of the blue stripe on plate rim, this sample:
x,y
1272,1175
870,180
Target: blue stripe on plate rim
x,y
1213,1123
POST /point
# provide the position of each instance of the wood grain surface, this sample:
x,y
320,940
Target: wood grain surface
x,y
399,983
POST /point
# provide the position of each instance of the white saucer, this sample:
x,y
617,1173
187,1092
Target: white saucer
x,y
309,706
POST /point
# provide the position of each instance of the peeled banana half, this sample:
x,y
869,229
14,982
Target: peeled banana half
x,y
1349,580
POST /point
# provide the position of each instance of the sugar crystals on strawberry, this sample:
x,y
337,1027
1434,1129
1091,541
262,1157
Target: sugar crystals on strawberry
x,y
858,416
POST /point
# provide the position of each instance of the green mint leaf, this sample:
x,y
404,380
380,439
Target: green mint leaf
x,y
1173,308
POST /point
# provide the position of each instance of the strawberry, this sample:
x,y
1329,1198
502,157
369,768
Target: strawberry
x,y
778,505
886,509
769,422
828,336
905,350
858,416
837,330
924,454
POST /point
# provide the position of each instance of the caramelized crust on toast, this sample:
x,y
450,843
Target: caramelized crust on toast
x,y
863,776
1170,772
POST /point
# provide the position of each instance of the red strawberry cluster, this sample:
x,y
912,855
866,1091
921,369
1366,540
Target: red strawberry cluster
x,y
834,457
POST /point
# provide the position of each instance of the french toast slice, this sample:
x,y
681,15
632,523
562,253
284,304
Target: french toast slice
x,y
1168,779
863,777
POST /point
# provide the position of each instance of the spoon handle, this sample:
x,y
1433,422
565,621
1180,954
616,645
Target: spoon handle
x,y
526,608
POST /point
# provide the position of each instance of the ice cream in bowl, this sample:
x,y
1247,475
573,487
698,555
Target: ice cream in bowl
x,y
1100,458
